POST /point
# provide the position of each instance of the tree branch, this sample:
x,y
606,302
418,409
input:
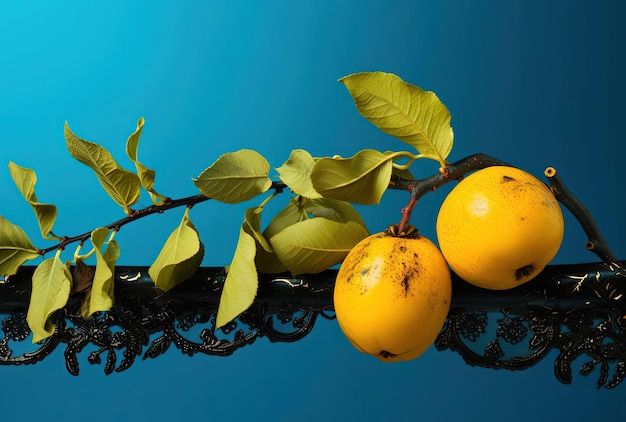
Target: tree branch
x,y
454,171
595,242
457,170
168,204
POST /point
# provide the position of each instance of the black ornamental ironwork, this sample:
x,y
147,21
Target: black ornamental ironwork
x,y
578,310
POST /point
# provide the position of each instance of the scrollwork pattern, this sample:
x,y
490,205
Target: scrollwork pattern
x,y
581,316
147,327
577,310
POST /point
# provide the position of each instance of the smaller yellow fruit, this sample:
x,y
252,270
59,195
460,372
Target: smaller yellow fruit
x,y
392,296
499,227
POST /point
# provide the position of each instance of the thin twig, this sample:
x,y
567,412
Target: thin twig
x,y
457,170
453,171
168,204
596,242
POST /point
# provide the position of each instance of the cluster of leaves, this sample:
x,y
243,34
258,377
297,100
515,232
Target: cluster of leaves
x,y
313,232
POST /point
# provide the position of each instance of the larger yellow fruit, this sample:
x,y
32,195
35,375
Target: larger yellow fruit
x,y
392,296
499,227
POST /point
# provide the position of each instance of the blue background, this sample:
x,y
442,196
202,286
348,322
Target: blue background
x,y
534,83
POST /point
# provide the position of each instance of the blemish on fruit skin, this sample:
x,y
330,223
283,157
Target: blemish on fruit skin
x,y
406,285
524,272
385,354
478,206
351,273
506,179
371,274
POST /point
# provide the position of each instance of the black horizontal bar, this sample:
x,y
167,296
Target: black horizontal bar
x,y
571,285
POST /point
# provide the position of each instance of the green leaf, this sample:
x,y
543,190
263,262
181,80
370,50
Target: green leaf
x,y
296,173
252,224
123,186
314,245
293,213
266,259
179,258
25,180
235,177
297,210
361,179
405,111
100,297
15,248
52,283
112,254
241,283
146,175
333,209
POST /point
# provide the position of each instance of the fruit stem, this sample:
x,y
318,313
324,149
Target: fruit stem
x,y
596,242
406,211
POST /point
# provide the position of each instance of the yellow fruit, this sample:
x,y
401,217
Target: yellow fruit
x,y
499,227
392,296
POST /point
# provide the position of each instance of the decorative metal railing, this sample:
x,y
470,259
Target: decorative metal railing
x,y
578,310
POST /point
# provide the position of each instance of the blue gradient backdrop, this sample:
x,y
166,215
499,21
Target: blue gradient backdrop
x,y
535,83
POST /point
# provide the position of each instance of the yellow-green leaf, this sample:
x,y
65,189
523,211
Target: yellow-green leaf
x,y
266,260
101,296
361,179
52,283
252,225
25,180
333,209
296,173
317,244
179,258
15,248
146,175
299,209
123,186
403,110
235,177
293,213
111,254
241,283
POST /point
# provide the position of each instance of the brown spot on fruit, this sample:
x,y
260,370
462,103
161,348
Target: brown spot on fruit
x,y
387,355
406,285
525,271
506,179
